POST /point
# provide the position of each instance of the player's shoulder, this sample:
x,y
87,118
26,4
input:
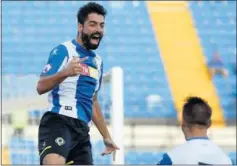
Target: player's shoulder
x,y
60,49
169,157
97,56
227,160
174,155
221,155
179,151
180,148
98,59
67,43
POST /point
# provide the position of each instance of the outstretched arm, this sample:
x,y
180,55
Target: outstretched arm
x,y
99,122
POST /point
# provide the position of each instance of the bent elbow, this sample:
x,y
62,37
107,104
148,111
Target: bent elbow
x,y
39,89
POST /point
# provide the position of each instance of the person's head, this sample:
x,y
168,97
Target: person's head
x,y
196,117
216,56
91,20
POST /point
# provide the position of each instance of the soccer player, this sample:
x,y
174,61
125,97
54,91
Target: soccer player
x,y
73,77
198,149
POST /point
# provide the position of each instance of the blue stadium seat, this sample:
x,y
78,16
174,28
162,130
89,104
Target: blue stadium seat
x,y
217,29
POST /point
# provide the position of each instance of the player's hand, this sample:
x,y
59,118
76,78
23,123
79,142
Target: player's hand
x,y
74,66
110,147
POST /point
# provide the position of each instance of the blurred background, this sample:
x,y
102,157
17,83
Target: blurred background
x,y
167,50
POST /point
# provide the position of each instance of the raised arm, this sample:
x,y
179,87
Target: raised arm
x,y
56,72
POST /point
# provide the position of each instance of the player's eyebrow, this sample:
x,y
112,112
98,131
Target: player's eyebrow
x,y
95,22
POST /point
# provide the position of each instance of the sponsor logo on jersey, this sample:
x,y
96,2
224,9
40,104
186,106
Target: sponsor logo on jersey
x,y
89,71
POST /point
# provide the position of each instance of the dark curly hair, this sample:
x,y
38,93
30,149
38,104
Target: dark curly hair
x,y
89,8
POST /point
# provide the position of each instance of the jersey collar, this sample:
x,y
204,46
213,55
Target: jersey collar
x,y
79,47
195,138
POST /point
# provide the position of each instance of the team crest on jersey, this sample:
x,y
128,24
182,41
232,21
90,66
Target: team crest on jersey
x,y
60,141
46,68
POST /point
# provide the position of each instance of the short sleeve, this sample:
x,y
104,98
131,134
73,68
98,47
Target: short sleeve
x,y
56,58
100,78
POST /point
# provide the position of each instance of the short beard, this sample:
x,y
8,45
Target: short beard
x,y
86,41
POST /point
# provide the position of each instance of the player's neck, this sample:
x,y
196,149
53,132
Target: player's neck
x,y
195,133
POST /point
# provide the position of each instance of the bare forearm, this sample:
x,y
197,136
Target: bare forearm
x,y
47,83
99,121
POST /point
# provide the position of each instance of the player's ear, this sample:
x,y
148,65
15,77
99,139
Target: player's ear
x,y
79,27
209,124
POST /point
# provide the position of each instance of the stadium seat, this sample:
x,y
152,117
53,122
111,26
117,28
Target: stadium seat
x,y
23,151
217,30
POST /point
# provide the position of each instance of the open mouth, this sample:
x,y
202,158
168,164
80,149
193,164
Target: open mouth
x,y
95,39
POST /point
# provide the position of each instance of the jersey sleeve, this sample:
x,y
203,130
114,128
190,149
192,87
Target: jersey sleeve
x,y
100,78
56,59
165,160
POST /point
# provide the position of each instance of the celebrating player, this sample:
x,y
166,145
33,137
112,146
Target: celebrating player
x,y
73,77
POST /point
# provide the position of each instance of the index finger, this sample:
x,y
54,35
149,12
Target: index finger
x,y
83,59
75,59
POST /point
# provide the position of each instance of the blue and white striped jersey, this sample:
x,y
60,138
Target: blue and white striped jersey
x,y
74,96
198,151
